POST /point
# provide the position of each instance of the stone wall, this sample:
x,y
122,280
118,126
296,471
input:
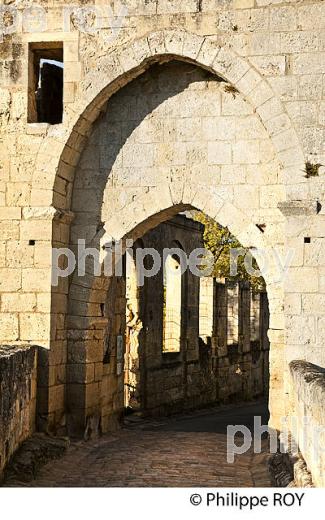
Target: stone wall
x,y
308,426
18,381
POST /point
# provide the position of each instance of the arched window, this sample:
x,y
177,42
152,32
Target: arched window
x,y
172,311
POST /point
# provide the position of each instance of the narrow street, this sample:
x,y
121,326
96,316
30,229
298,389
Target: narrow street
x,y
183,451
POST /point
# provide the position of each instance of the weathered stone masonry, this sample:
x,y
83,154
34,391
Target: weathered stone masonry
x,y
18,380
210,366
239,156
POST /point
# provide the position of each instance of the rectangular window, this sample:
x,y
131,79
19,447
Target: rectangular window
x,y
206,307
45,83
172,310
255,316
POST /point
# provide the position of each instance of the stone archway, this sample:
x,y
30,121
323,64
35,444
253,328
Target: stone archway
x,y
251,88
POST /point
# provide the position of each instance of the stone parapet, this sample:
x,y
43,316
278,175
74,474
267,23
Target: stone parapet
x,y
309,415
18,381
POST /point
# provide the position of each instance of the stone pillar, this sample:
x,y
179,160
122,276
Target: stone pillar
x,y
264,340
244,317
220,319
232,313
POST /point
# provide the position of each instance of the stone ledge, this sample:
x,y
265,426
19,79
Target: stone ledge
x,y
31,456
308,373
289,471
299,208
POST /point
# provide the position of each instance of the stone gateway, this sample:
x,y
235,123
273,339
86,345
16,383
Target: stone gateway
x,y
115,119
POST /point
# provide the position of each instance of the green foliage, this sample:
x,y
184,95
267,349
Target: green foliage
x,y
220,241
311,169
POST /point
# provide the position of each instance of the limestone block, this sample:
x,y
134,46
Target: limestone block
x,y
277,321
302,112
320,331
299,208
242,4
278,124
311,16
250,127
167,154
11,302
43,255
296,251
269,65
294,42
248,82
313,304
219,128
300,330
36,280
286,88
291,156
271,108
9,230
314,253
189,129
18,194
72,71
219,152
157,43
56,398
310,87
309,63
2,253
18,104
10,280
303,280
246,152
263,44
92,394
172,6
39,197
19,254
235,105
260,94
10,213
229,66
174,41
9,330
233,174
208,51
36,230
285,140
80,373
283,18
34,326
321,116
247,197
71,51
293,303
138,155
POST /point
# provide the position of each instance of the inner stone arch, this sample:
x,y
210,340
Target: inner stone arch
x,y
175,137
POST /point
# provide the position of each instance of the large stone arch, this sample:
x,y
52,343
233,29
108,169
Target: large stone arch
x,y
69,140
154,210
127,62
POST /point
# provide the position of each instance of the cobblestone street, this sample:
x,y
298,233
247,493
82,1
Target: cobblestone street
x,y
183,451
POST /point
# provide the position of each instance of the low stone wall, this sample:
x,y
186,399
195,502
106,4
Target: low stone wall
x,y
308,426
18,381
